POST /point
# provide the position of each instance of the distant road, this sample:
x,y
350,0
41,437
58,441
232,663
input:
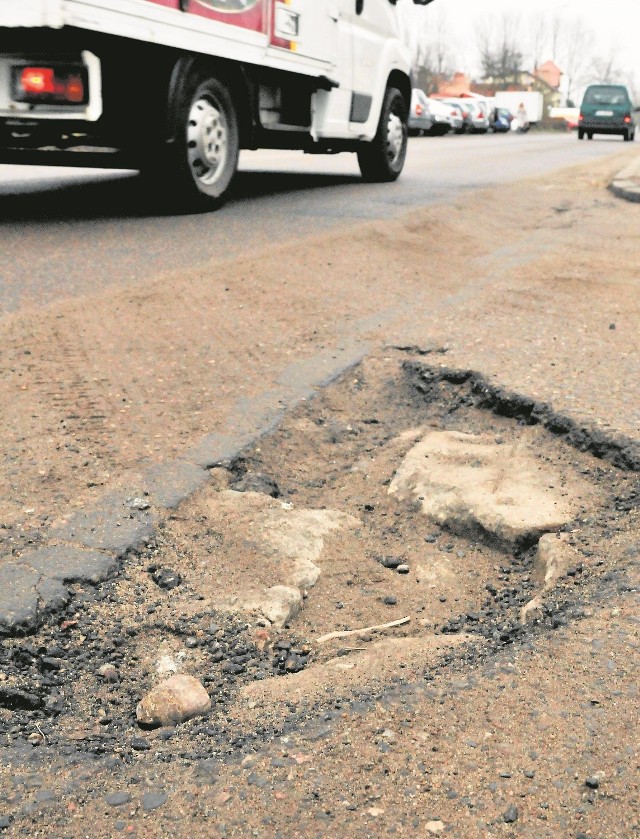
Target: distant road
x,y
70,232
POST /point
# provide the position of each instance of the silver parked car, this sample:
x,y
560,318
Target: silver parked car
x,y
420,120
464,114
480,115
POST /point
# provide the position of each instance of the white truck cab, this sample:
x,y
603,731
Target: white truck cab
x,y
176,88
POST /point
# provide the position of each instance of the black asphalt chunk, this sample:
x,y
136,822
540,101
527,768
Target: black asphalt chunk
x,y
32,586
53,596
71,565
15,699
18,597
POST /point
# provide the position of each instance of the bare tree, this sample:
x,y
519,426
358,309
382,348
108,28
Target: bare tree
x,y
576,55
425,32
538,39
605,70
433,57
555,32
500,54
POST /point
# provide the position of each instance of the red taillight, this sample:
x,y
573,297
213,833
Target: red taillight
x,y
63,85
480,115
38,80
75,89
627,119
418,109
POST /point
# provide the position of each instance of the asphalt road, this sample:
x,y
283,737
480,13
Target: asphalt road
x,y
65,233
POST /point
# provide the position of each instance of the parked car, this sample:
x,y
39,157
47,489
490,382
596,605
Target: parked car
x,y
465,114
480,122
501,120
453,113
606,109
441,117
420,120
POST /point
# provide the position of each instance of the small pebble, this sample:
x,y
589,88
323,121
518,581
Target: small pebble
x,y
108,672
390,600
139,744
510,815
153,800
117,799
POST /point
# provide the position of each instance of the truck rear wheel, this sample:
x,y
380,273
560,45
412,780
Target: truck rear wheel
x,y
200,164
382,159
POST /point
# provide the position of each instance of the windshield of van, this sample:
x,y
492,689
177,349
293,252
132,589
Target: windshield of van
x,y
606,96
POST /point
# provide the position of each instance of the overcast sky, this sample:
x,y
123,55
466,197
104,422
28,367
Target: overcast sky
x,y
615,25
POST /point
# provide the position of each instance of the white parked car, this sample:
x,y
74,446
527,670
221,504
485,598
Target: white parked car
x,y
444,117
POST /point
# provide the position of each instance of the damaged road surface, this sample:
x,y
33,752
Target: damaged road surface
x,y
338,538
405,610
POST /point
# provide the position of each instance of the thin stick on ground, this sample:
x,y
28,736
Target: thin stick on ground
x,y
346,632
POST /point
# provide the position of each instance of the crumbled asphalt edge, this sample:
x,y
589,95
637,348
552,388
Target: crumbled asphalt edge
x,y
496,625
475,391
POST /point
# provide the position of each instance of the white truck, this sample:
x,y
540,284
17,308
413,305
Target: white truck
x,y
512,100
175,88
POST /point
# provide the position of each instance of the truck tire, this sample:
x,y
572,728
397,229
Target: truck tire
x,y
381,160
202,161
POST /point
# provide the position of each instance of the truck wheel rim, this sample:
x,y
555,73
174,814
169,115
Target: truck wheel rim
x,y
395,138
207,141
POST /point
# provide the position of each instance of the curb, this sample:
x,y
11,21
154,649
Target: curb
x,y
626,183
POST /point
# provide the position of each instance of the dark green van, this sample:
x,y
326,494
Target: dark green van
x,y
606,109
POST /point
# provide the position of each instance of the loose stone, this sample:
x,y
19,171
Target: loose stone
x,y
117,799
511,814
390,562
171,702
152,800
108,672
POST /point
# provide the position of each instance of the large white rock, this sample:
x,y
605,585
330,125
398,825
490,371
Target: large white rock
x,y
470,483
173,701
276,550
278,604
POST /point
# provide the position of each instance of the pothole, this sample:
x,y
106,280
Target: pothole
x,y
398,523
